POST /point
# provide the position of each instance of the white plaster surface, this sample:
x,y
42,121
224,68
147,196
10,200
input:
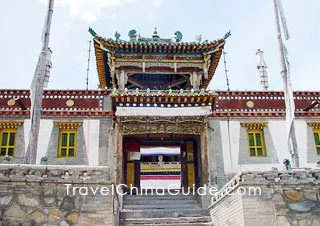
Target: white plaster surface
x,y
26,128
278,134
45,130
91,136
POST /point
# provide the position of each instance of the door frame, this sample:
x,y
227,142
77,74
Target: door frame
x,y
181,141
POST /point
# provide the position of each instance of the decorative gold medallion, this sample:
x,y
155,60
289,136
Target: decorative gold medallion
x,y
11,102
250,104
69,103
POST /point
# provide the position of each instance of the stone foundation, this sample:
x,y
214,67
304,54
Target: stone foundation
x,y
47,195
287,198
39,195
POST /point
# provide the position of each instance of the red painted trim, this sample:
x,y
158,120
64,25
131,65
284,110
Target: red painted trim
x,y
228,104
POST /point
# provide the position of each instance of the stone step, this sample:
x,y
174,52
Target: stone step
x,y
202,219
161,206
160,197
166,210
100,218
96,201
168,224
162,213
89,223
159,201
94,208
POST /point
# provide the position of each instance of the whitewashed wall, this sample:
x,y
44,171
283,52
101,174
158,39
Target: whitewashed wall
x,y
230,137
91,138
45,130
43,142
91,135
26,129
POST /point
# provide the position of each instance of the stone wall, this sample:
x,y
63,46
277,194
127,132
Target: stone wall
x,y
228,212
286,198
43,195
215,154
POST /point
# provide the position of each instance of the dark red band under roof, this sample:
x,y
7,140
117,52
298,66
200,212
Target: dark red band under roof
x,y
228,104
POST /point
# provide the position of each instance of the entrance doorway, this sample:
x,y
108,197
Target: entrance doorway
x,y
160,166
159,161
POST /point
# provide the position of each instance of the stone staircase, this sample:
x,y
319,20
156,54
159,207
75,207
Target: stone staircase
x,y
163,210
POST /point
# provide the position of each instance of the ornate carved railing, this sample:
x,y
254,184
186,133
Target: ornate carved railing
x,y
226,189
256,178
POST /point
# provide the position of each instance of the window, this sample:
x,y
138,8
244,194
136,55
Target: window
x,y
256,143
67,143
316,133
7,141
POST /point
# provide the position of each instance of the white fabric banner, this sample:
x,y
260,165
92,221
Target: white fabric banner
x,y
158,111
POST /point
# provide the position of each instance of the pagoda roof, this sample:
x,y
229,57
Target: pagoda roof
x,y
155,45
158,47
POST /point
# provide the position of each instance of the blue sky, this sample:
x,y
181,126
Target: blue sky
x,y
250,21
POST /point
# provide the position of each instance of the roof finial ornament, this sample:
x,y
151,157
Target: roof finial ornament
x,y
117,35
227,35
132,35
178,36
155,33
198,38
92,32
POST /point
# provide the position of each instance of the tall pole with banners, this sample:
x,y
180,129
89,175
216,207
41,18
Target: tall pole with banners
x,y
285,72
39,80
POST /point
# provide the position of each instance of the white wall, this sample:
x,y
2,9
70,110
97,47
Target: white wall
x,y
277,128
26,129
230,132
45,129
91,136
302,142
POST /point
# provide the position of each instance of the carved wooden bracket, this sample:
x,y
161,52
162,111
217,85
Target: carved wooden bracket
x,y
10,124
254,125
315,125
68,125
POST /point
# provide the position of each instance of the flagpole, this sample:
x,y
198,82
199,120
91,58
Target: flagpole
x,y
36,91
289,101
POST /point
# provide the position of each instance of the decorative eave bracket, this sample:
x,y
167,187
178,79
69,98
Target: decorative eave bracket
x,y
315,125
254,125
10,124
68,125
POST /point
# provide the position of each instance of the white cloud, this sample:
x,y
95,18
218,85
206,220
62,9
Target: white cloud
x,y
158,3
92,10
89,16
87,10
